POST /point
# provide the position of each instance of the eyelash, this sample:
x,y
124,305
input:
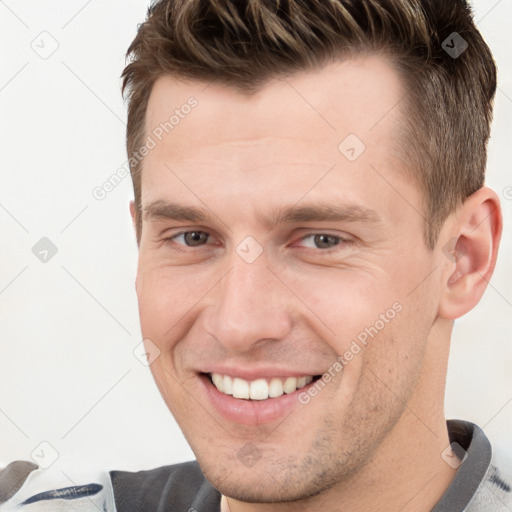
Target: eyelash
x,y
341,241
185,248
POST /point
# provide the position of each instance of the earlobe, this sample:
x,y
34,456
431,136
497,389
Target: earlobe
x,y
472,251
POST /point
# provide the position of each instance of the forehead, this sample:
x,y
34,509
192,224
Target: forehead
x,y
350,96
287,134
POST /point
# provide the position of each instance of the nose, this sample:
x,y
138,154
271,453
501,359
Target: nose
x,y
250,305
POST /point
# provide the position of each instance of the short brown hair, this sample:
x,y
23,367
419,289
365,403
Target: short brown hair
x,y
244,44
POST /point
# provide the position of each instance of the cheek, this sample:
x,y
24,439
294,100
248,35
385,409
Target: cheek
x,y
395,355
371,321
166,296
348,304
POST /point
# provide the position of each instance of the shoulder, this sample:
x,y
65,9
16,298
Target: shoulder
x,y
483,481
23,484
181,485
175,487
495,491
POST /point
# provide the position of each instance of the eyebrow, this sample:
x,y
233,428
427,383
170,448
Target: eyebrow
x,y
166,210
322,213
161,209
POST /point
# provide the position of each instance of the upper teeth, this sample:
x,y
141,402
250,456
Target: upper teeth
x,y
259,389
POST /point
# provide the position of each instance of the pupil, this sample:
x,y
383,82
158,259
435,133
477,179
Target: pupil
x,y
195,238
325,241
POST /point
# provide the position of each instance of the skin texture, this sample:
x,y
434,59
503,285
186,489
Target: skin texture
x,y
373,436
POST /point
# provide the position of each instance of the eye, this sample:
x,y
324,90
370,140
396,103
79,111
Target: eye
x,y
321,241
191,238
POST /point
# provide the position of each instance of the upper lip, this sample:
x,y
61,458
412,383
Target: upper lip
x,y
254,373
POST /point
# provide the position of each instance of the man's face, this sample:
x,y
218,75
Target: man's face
x,y
269,250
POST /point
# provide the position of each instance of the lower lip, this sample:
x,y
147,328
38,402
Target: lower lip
x,y
252,412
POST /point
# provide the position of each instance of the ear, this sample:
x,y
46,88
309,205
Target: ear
x,y
472,248
133,213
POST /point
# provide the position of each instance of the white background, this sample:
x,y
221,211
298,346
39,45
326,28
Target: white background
x,y
68,327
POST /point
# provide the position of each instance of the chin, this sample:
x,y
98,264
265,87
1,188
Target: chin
x,y
266,483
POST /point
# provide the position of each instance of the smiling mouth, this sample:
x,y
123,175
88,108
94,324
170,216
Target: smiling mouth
x,y
259,389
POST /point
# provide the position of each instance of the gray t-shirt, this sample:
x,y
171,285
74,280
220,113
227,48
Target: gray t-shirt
x,y
483,483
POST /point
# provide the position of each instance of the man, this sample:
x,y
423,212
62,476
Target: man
x,y
311,218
